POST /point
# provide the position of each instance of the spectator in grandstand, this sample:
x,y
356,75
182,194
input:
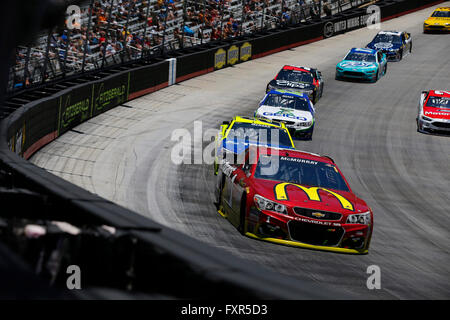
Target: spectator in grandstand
x,y
177,35
313,11
216,33
188,31
285,16
327,9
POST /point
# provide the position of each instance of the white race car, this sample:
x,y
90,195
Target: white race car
x,y
293,108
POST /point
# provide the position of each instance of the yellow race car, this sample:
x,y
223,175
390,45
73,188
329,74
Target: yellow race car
x,y
235,136
438,21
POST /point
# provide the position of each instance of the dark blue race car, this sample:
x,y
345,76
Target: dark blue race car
x,y
394,44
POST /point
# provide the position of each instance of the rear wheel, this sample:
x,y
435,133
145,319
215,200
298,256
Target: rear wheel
x,y
400,55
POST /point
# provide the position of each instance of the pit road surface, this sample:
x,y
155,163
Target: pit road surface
x,y
124,155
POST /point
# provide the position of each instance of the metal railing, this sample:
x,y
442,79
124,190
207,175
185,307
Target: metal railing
x,y
109,32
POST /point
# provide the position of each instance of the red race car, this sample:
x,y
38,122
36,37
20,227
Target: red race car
x,y
434,112
293,198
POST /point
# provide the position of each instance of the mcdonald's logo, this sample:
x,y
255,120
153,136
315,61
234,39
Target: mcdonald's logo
x,y
312,193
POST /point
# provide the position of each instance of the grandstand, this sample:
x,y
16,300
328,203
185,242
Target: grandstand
x,y
110,32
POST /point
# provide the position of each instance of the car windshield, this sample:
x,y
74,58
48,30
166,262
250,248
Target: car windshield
x,y
286,101
359,56
390,38
295,76
300,171
260,134
441,14
439,102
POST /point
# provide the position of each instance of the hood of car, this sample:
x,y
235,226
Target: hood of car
x,y
316,198
285,84
356,65
284,114
384,46
438,21
436,113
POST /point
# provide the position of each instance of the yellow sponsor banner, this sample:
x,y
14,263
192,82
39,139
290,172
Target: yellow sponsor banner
x,y
220,58
246,51
233,55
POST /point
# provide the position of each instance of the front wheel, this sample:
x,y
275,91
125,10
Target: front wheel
x,y
377,76
242,214
418,124
216,168
218,200
315,97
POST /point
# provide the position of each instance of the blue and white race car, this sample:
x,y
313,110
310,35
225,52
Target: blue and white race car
x,y
362,64
394,44
293,108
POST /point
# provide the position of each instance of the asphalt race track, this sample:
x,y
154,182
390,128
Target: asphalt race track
x,y
369,130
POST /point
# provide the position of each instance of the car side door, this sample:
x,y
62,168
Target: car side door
x,y
321,82
234,186
381,62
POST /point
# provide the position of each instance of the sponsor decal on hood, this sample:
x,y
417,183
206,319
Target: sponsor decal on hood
x,y
383,45
284,113
437,113
291,84
350,64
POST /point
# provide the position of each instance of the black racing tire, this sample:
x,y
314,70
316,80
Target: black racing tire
x,y
218,203
401,55
410,48
385,69
242,214
215,168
